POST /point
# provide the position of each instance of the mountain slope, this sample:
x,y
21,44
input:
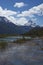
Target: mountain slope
x,y
36,31
7,27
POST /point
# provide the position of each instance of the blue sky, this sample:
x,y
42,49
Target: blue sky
x,y
19,8
9,4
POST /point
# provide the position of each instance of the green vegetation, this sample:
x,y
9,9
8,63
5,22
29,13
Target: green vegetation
x,y
35,32
7,35
41,48
20,41
3,45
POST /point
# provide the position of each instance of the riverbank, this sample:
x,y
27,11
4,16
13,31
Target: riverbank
x,y
28,53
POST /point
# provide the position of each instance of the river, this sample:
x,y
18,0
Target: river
x,y
25,54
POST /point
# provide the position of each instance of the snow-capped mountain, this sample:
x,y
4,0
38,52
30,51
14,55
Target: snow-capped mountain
x,y
7,27
30,23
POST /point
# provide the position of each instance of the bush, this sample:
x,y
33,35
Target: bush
x,y
41,48
3,44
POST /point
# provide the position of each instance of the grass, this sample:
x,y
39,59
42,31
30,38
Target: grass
x,y
20,41
3,45
41,48
7,35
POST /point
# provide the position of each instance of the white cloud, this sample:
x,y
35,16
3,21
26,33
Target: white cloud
x,y
38,10
19,4
5,12
21,20
41,25
9,15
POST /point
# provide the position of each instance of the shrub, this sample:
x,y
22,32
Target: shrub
x,y
3,44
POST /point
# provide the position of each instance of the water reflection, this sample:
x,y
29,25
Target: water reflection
x,y
29,53
13,38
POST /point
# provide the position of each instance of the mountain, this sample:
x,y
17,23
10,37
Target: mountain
x,y
36,31
7,27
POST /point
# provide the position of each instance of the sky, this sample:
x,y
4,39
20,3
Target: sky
x,y
20,12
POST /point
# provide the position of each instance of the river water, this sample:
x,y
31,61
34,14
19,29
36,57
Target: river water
x,y
13,38
25,54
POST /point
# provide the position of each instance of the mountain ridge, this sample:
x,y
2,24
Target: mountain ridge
x,y
7,27
34,32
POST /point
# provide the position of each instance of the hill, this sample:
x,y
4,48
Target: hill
x,y
7,27
36,31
